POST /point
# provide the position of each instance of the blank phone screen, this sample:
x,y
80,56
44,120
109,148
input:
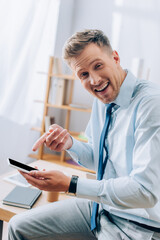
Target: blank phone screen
x,y
21,165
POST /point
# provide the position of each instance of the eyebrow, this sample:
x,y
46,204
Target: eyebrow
x,y
97,59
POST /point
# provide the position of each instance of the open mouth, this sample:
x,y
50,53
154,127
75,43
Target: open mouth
x,y
102,88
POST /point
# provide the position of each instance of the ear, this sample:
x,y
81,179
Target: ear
x,y
116,56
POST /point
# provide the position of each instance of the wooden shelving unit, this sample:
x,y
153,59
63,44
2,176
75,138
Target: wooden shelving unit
x,y
53,157
65,107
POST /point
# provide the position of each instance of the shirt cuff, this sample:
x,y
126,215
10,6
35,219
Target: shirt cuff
x,y
88,188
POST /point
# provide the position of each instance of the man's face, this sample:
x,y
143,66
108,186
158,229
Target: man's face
x,y
99,72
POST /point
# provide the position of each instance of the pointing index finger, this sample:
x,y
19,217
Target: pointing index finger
x,y
40,141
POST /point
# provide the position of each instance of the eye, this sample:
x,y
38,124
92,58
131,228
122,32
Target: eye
x,y
98,65
84,75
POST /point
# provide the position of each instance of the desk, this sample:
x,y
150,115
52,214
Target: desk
x,y
6,212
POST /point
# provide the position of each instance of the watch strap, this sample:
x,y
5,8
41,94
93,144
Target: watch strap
x,y
73,184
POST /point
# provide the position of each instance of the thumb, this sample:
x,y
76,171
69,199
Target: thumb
x,y
39,174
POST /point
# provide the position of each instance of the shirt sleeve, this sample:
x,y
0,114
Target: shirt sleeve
x,y
82,152
141,188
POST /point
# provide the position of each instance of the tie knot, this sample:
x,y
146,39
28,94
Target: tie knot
x,y
110,106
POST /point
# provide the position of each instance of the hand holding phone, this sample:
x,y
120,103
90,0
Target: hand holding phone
x,y
20,166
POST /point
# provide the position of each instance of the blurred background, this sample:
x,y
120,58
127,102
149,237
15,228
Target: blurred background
x,y
33,30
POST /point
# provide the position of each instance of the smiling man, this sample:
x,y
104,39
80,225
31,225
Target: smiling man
x,y
100,72
123,148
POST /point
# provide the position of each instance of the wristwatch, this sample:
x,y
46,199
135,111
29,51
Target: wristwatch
x,y
73,186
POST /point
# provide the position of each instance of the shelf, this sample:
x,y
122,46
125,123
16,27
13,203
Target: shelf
x,y
55,159
76,136
46,157
79,139
36,129
65,107
35,156
64,76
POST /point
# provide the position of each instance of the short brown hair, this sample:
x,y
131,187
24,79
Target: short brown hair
x,y
77,42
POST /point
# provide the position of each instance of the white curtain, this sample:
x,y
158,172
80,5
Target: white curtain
x,y
28,30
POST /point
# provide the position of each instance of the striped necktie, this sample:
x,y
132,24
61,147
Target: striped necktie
x,y
102,164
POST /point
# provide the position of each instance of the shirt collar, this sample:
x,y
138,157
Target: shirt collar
x,y
126,91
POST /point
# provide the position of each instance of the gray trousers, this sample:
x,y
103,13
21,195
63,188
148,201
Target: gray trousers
x,y
70,220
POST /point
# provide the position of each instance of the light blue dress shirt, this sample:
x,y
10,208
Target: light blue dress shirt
x,y
131,184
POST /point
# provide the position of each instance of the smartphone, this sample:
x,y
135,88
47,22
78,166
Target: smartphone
x,y
20,166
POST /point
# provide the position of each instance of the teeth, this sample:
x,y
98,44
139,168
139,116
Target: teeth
x,y
101,89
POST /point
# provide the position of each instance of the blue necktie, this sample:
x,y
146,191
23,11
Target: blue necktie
x,y
102,164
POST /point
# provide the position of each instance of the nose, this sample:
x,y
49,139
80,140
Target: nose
x,y
94,79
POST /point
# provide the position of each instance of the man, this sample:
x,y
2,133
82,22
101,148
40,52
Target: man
x,y
123,147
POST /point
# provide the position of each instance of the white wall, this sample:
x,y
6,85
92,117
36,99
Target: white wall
x,y
132,26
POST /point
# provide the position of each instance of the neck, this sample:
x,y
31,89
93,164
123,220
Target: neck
x,y
123,75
